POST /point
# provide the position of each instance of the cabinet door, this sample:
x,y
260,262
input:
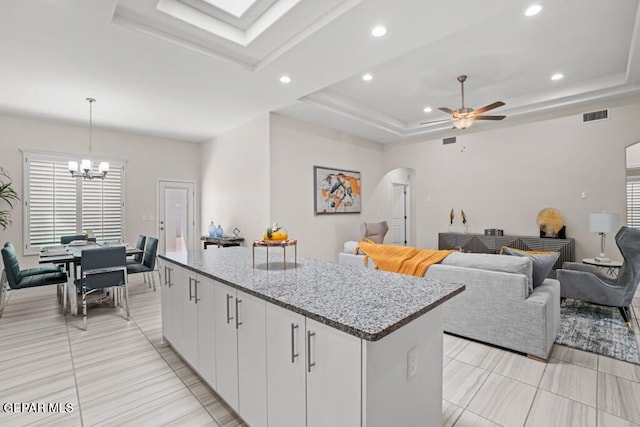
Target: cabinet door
x,y
167,322
176,291
252,359
204,299
333,377
189,342
226,348
286,359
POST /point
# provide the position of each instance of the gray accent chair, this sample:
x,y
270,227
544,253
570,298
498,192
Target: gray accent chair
x,y
375,231
103,268
588,283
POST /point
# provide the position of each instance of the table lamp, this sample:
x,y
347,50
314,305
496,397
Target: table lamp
x,y
603,223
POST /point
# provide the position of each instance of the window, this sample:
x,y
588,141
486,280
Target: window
x,y
56,204
633,199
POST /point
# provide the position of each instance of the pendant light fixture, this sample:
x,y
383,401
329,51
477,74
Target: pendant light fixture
x,y
85,166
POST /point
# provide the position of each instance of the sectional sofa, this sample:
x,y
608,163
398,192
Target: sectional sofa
x,y
499,306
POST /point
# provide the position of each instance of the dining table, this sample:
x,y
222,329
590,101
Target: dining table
x,y
70,256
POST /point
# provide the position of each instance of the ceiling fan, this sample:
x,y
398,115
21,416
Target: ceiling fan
x,y
464,117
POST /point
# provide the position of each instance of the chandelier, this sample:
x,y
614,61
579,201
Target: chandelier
x,y
85,166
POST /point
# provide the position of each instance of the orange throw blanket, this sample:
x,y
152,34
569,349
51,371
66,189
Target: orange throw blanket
x,y
401,259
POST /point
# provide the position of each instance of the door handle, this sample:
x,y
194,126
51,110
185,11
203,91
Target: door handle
x,y
190,294
229,319
195,281
309,363
238,322
293,344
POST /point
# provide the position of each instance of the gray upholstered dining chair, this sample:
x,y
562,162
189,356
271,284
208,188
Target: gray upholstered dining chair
x,y
137,258
588,283
28,278
375,231
148,265
102,268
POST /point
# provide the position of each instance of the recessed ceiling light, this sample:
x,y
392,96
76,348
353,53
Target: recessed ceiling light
x,y
285,79
378,31
534,9
557,76
427,109
367,77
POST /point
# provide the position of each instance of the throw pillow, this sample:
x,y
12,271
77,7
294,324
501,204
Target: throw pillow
x,y
543,261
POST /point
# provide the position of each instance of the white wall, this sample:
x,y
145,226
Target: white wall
x,y
502,178
235,180
298,146
147,160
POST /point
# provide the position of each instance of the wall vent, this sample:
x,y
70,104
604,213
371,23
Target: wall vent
x,y
595,116
451,140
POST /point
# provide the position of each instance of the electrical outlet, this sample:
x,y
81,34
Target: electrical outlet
x,y
412,362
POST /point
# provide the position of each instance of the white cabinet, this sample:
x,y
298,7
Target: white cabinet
x,y
252,359
187,346
172,308
166,301
226,349
286,357
204,299
334,377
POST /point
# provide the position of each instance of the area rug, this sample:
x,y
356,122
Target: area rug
x,y
597,329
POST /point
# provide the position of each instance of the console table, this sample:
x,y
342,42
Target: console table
x,y
221,242
479,243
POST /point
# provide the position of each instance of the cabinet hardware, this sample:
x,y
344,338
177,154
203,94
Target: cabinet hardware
x,y
166,281
170,270
190,294
293,344
309,363
238,322
229,318
196,290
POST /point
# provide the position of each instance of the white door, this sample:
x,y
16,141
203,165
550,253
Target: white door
x,y
176,217
286,373
400,215
206,332
226,344
333,377
252,359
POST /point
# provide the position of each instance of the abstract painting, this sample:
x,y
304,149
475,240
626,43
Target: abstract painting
x,y
336,191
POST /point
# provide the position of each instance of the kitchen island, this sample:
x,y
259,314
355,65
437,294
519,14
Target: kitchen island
x,y
317,345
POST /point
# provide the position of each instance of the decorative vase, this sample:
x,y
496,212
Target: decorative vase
x,y
212,229
218,231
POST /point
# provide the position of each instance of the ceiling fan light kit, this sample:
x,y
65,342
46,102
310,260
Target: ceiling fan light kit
x,y
464,117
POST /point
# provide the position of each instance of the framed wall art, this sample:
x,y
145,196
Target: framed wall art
x,y
336,191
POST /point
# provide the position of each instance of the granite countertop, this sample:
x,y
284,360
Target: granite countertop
x,y
367,303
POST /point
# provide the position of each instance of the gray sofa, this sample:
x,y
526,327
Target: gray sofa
x,y
499,306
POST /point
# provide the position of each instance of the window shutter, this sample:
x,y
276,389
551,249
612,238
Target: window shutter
x,y
102,204
57,204
633,201
51,201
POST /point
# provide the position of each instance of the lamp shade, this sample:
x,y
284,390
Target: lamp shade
x,y
603,222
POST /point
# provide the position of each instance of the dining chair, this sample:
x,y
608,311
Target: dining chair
x,y
137,258
148,265
103,268
30,277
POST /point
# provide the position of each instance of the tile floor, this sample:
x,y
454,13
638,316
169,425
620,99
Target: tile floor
x,y
119,373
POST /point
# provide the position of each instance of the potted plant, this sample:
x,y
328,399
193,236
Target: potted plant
x,y
7,197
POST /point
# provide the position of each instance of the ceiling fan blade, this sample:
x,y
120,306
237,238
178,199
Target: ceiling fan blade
x,y
489,117
436,121
446,110
488,107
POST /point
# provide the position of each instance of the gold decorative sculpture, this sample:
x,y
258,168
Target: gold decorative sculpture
x,y
451,216
550,221
464,217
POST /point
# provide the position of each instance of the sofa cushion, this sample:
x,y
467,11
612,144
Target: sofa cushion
x,y
492,262
542,262
350,248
